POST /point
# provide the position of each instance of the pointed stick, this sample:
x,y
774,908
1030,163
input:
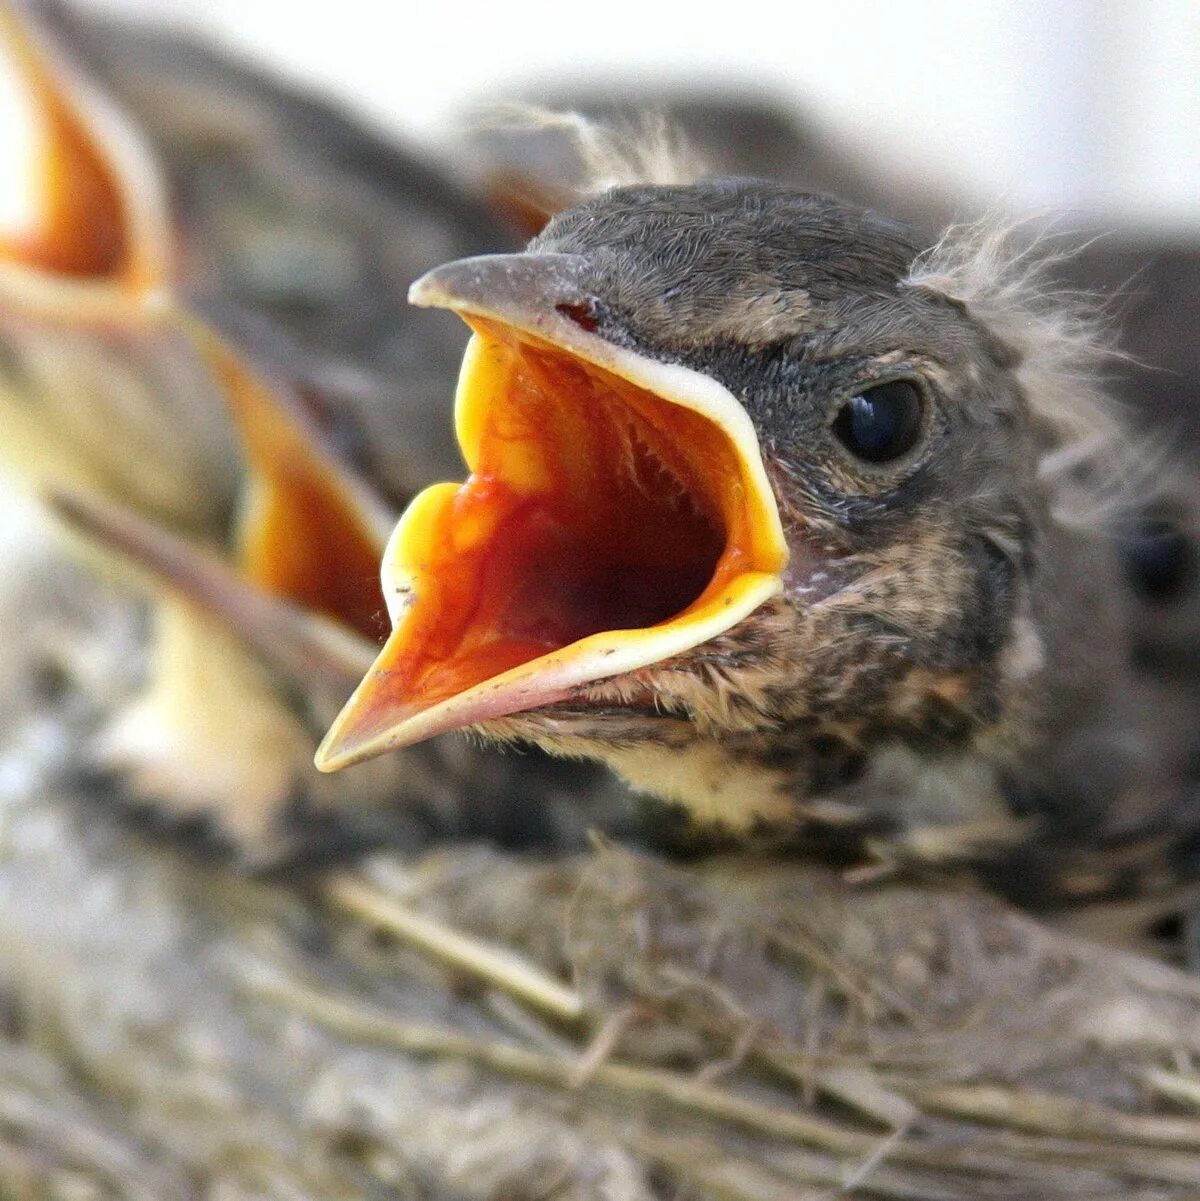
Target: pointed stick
x,y
498,966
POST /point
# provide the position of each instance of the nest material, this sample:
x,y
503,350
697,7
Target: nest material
x,y
465,1024
470,1025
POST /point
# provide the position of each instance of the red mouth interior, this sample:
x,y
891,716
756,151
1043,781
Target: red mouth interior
x,y
80,228
304,534
594,506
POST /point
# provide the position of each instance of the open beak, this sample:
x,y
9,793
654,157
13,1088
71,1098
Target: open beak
x,y
617,514
96,213
89,294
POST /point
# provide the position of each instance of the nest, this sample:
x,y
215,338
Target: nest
x,y
469,1024
456,1023
462,1023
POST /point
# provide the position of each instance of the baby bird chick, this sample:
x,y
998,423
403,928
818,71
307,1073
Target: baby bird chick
x,y
797,527
212,466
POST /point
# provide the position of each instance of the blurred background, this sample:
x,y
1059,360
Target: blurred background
x,y
1084,114
1091,105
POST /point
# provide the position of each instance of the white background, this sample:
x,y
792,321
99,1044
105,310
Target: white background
x,y
1026,104
1093,104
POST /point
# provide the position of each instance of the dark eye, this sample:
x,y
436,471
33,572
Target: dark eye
x,y
1159,560
881,423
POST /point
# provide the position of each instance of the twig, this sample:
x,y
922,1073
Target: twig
x,y
1176,1085
860,1174
670,1088
1067,1117
497,966
854,1085
602,1046
795,1175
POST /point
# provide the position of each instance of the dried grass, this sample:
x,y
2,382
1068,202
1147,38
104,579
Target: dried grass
x,y
471,1024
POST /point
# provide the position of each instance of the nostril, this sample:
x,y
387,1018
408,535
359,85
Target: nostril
x,y
582,313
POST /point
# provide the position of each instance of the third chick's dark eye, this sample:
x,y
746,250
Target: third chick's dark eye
x,y
1159,559
881,423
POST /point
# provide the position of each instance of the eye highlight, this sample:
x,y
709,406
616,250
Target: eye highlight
x,y
882,423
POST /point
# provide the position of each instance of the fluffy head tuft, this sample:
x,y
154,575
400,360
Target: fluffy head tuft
x,y
1062,339
649,149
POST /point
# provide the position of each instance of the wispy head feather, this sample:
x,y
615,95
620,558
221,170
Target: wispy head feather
x,y
647,149
1006,274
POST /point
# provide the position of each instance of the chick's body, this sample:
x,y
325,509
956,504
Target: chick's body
x,y
950,662
954,665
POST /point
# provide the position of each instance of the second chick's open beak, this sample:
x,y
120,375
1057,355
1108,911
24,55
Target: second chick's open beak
x,y
96,224
617,514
